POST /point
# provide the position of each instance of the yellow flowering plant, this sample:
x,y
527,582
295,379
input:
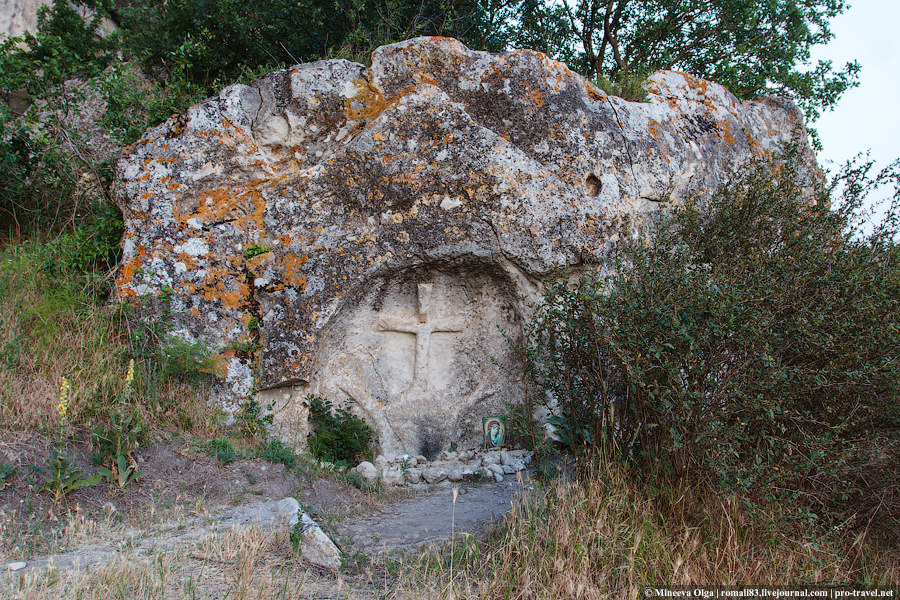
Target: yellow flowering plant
x,y
116,443
64,476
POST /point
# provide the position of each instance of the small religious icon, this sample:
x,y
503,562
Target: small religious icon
x,y
494,431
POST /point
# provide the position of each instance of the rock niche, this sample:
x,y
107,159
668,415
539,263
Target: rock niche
x,y
378,233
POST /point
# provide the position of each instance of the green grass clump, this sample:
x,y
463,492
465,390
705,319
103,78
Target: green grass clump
x,y
276,451
631,87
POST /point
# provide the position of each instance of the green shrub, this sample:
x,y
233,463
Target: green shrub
x,y
338,436
223,450
37,178
276,451
750,340
218,40
135,103
121,436
250,420
8,472
65,46
39,174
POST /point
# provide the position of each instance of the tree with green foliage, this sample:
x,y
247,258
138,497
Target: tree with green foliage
x,y
752,47
38,175
214,42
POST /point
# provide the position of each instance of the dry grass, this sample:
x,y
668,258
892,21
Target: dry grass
x,y
604,536
47,334
52,326
250,564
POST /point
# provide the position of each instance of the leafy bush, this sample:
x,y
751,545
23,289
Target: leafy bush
x,y
220,39
89,253
121,436
338,436
250,421
211,43
66,45
37,178
135,103
8,472
751,340
40,176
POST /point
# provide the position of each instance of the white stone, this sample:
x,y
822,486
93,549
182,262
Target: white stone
x,y
434,475
16,566
413,476
505,458
381,462
455,474
368,471
315,546
495,468
392,476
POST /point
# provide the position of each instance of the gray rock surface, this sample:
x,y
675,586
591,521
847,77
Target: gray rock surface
x,y
367,470
315,545
434,475
377,233
317,548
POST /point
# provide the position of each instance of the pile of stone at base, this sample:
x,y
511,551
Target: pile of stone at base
x,y
452,466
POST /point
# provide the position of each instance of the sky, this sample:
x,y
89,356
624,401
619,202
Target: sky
x,y
866,117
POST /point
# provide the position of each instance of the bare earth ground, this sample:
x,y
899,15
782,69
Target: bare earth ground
x,y
186,498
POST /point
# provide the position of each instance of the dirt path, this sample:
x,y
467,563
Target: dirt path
x,y
398,527
428,518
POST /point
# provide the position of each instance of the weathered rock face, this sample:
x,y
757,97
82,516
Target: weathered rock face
x,y
377,230
19,16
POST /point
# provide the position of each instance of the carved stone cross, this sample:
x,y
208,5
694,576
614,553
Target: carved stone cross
x,y
422,328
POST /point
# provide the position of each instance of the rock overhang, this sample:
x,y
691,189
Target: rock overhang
x,y
265,212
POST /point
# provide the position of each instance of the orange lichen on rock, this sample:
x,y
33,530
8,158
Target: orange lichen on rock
x,y
434,159
370,101
290,264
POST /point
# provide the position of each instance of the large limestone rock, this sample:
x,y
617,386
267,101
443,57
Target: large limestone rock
x,y
19,16
377,233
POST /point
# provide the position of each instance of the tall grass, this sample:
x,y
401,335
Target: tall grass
x,y
605,535
50,329
55,323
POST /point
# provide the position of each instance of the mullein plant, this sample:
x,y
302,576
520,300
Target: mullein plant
x,y
122,470
64,476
